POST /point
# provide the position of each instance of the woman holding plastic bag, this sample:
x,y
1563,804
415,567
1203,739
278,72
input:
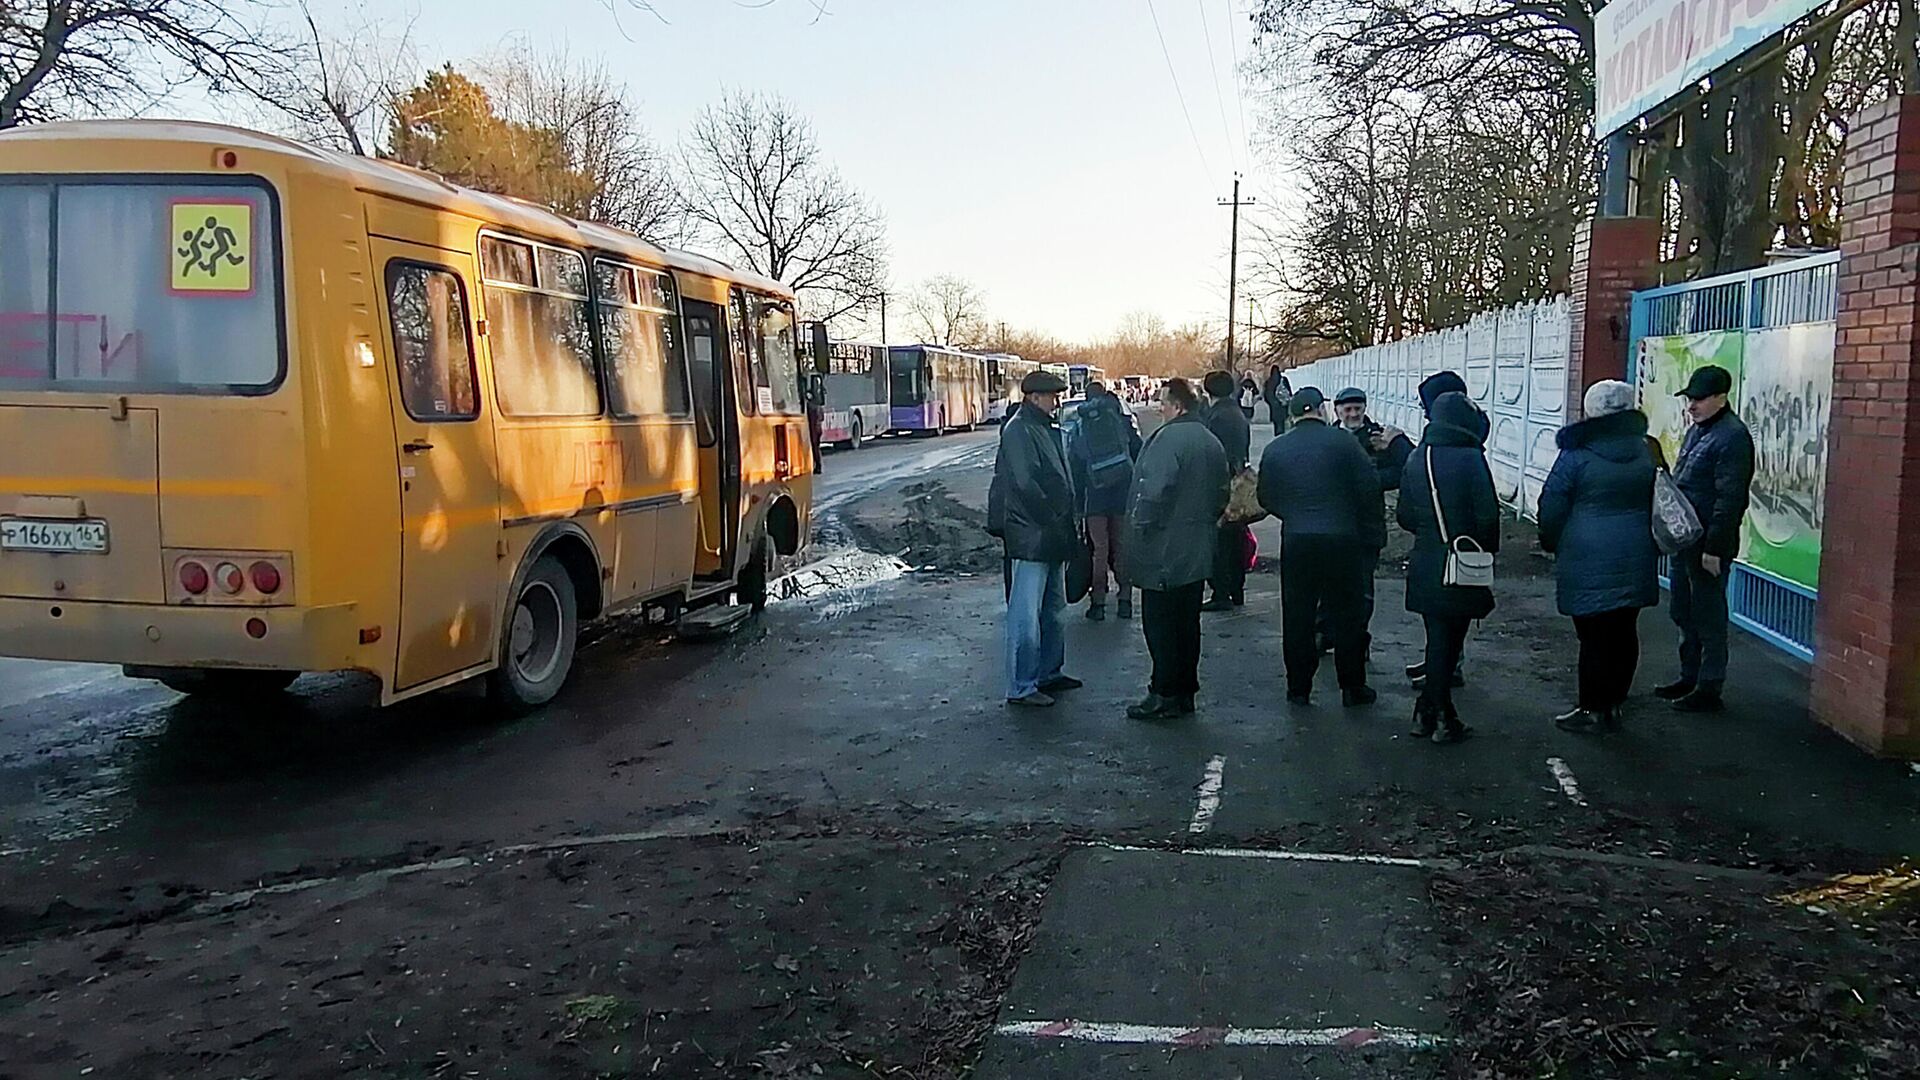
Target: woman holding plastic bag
x,y
1597,516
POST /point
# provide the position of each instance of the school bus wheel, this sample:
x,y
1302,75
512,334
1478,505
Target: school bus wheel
x,y
537,643
751,586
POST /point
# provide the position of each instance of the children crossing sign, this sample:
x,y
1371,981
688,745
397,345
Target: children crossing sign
x,y
212,249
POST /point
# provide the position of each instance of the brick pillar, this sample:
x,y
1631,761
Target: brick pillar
x,y
1866,682
1611,258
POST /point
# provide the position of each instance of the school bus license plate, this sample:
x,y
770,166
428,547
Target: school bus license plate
x,y
86,537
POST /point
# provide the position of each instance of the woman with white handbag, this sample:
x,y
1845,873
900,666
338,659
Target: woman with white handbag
x,y
1447,502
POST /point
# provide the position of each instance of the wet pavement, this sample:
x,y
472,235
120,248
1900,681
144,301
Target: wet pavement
x,y
824,844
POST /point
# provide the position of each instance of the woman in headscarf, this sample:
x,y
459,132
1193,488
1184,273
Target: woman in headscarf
x,y
1596,515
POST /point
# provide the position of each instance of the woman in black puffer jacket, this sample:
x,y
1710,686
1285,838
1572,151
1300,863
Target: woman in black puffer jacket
x,y
1596,515
1454,448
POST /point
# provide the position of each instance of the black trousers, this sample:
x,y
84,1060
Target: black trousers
x,y
1170,619
1446,637
1609,653
1230,563
1319,572
1366,607
1699,608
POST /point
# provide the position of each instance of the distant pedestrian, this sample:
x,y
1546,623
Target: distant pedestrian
x,y
1387,448
1430,389
1320,485
1715,472
1179,492
1229,424
1249,396
1030,508
1457,503
1596,516
1277,390
816,395
1102,451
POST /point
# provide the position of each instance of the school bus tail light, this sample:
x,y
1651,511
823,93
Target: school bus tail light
x,y
238,578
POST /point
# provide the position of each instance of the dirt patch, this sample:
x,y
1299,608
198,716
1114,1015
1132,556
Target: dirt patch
x,y
1571,969
923,525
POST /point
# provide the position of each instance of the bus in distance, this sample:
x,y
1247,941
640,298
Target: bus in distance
x,y
936,389
857,406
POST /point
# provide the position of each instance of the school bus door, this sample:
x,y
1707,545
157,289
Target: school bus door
x,y
717,420
449,481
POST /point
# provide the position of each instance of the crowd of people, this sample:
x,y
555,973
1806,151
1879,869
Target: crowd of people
x,y
1124,512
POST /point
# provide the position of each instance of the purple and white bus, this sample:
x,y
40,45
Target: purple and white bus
x,y
937,389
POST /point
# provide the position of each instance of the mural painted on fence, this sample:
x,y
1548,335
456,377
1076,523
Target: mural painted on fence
x,y
1783,389
1785,397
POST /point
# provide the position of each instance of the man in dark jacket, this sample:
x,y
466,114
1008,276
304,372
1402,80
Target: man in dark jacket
x,y
1030,508
1229,424
1388,449
1323,489
1715,473
1105,443
1277,390
1179,492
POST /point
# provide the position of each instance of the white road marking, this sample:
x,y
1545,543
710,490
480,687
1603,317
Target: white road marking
x,y
1564,777
1293,856
1218,1036
1209,801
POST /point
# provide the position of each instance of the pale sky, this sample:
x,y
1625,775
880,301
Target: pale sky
x,y
1034,147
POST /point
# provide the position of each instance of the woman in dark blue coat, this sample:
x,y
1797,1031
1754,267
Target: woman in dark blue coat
x,y
1596,515
1455,444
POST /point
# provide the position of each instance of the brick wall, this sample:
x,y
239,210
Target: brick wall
x,y
1867,634
1611,258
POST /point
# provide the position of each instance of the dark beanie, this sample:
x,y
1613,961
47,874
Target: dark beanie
x,y
1442,382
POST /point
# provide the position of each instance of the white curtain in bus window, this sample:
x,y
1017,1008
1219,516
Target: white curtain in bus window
x,y
646,371
25,215
430,343
541,339
165,287
779,368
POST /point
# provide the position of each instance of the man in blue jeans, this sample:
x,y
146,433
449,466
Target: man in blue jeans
x,y
1030,508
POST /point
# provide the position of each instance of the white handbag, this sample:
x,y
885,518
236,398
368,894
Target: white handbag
x,y
1470,567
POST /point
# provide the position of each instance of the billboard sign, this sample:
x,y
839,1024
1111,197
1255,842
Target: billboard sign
x,y
1648,51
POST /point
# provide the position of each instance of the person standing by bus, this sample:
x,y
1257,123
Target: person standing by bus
x,y
1228,423
1102,451
1030,508
1179,493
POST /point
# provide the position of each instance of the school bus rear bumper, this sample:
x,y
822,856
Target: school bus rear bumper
x,y
297,638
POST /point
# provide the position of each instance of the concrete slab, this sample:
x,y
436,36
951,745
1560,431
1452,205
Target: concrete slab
x,y
1164,938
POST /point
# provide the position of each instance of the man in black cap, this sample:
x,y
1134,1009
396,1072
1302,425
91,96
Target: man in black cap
x,y
1388,448
1323,488
1229,424
1030,508
1715,473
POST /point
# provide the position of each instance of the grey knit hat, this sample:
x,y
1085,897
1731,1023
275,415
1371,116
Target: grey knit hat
x,y
1606,397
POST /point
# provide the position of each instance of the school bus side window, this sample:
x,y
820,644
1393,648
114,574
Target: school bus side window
x,y
778,369
640,331
541,329
431,346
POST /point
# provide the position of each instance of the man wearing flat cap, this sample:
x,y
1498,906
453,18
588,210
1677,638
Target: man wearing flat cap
x,y
1715,472
1030,508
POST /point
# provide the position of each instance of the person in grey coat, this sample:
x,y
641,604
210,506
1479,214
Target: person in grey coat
x,y
1596,515
1179,493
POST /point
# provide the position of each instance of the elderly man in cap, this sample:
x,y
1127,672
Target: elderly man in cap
x,y
1715,473
1030,507
1325,492
1388,448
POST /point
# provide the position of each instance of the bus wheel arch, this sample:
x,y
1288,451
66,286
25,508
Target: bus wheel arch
x,y
568,544
783,525
555,590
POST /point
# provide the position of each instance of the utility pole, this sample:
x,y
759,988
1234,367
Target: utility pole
x,y
883,317
1233,260
1249,350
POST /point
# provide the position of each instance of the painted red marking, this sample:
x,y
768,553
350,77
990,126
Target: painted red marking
x,y
1358,1037
1058,1027
1206,1036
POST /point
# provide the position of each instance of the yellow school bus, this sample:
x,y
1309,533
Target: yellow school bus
x,y
267,409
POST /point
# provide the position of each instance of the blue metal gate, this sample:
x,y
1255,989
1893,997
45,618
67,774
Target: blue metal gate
x,y
1727,313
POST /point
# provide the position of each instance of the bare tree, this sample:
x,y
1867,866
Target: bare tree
x,y
950,311
629,182
64,58
340,89
757,185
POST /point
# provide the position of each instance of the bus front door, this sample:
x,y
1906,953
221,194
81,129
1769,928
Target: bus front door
x,y
718,424
449,479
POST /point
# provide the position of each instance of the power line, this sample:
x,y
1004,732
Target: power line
x,y
1239,97
1214,67
1168,57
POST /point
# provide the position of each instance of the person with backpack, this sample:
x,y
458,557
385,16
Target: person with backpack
x,y
1596,517
1448,503
1105,443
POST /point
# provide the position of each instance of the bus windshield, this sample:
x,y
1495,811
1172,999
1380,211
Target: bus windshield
x,y
154,288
